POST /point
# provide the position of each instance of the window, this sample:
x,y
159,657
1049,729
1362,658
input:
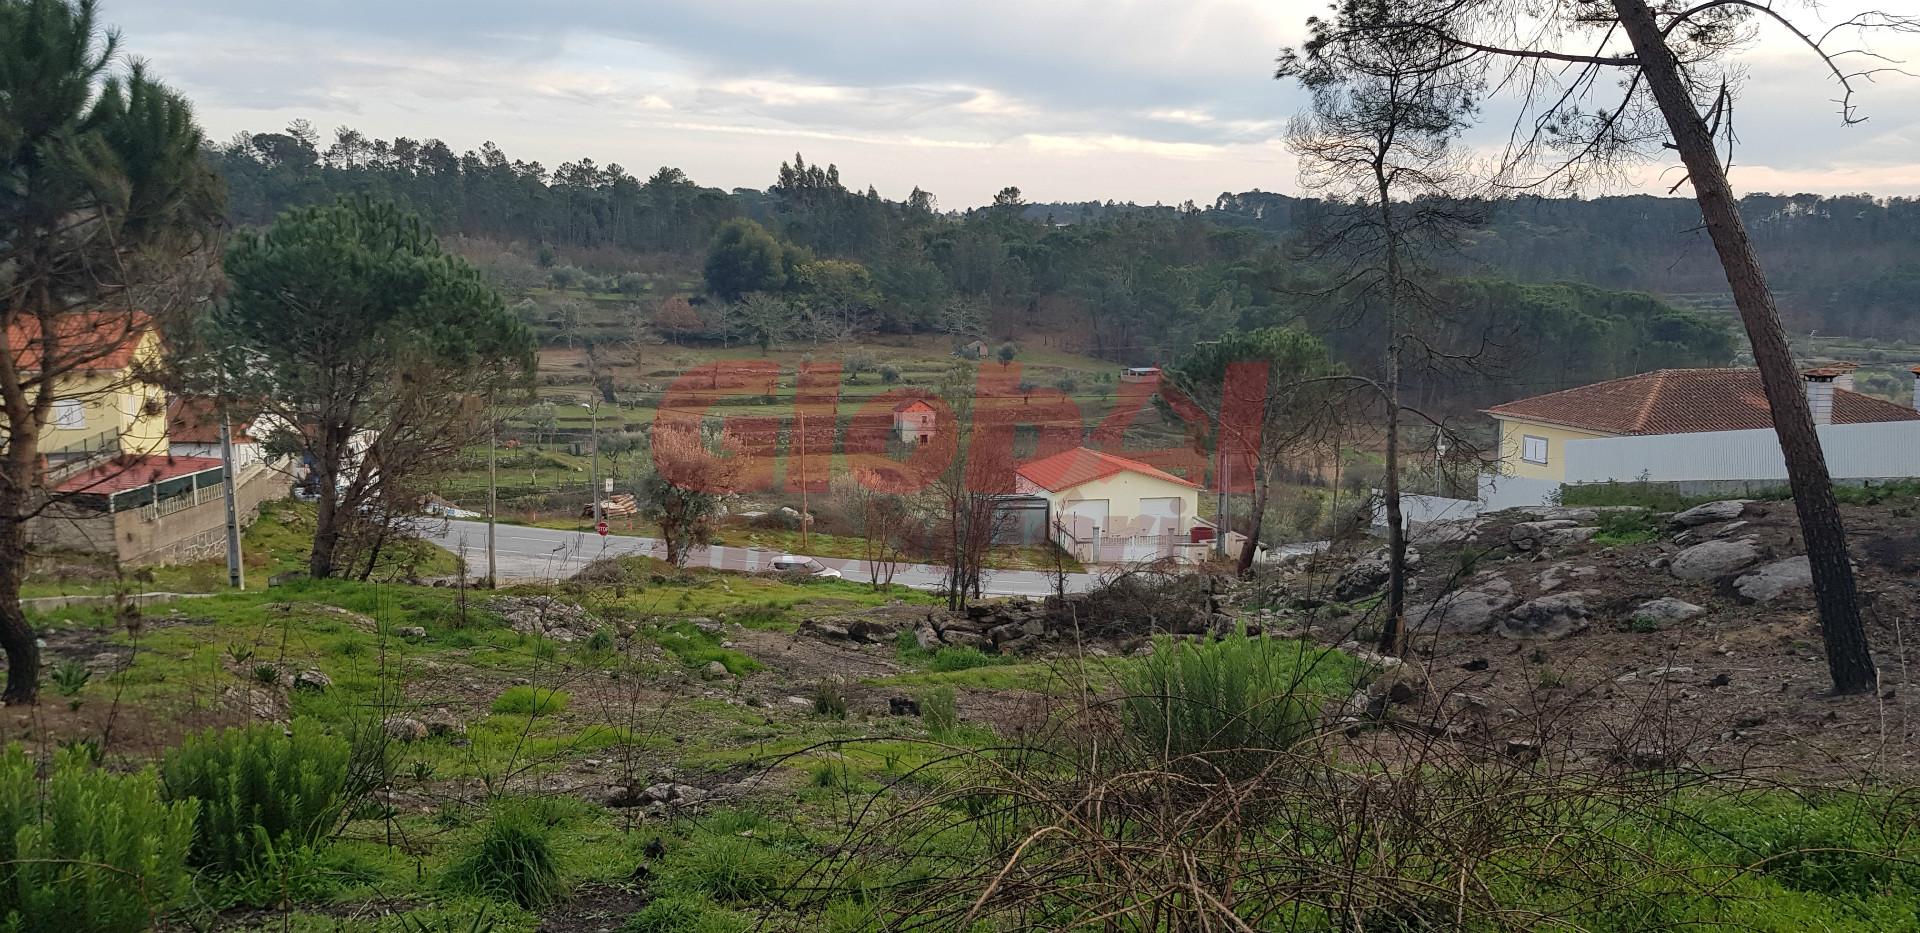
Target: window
x,y
1533,449
68,413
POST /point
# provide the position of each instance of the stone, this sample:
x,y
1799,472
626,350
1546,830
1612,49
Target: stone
x,y
404,729
706,625
1463,612
715,671
411,632
1716,560
1459,531
312,680
903,706
442,722
1725,510
967,639
1769,582
1555,576
656,797
1365,577
1398,685
926,637
546,616
1562,513
1666,609
1532,536
1549,617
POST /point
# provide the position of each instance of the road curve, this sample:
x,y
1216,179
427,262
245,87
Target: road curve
x,y
528,553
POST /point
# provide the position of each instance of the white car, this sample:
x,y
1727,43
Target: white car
x,y
794,563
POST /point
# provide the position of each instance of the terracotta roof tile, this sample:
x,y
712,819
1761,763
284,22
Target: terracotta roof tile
x,y
196,420
123,473
91,341
1682,401
1081,465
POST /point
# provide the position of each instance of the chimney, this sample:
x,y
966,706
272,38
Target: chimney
x,y
1845,379
1820,393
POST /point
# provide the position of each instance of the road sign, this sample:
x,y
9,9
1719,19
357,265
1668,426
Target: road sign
x,y
602,528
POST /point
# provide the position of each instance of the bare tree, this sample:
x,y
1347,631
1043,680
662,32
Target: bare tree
x,y
1376,143
1676,63
885,520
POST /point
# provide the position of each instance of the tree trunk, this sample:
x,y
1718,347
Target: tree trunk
x,y
1255,519
1849,659
1392,629
16,636
326,527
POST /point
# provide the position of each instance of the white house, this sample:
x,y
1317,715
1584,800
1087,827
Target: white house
x,y
1699,426
1107,508
1141,374
193,430
914,421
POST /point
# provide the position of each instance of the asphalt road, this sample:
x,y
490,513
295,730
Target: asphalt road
x,y
524,553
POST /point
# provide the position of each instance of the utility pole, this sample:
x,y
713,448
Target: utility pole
x,y
236,571
1220,509
593,459
800,438
493,489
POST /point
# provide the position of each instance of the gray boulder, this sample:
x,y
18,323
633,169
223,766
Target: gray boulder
x,y
925,637
1463,612
1557,575
443,722
1365,577
1666,609
312,680
1549,617
714,671
404,729
1725,510
1716,560
1458,531
1771,581
1530,536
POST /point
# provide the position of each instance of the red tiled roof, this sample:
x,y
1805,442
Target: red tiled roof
x,y
195,420
1080,465
123,473
912,403
1682,401
90,341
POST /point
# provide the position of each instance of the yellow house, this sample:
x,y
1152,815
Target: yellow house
x,y
1535,431
101,400
1098,496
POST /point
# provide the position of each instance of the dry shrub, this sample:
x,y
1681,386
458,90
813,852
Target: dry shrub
x,y
1085,827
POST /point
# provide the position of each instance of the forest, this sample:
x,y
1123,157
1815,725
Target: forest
x,y
1541,293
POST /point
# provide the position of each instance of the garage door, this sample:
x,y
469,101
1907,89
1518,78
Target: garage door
x,y
1159,516
1082,516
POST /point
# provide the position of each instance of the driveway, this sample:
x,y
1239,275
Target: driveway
x,y
525,553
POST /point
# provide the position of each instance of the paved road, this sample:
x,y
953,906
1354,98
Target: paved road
x,y
524,553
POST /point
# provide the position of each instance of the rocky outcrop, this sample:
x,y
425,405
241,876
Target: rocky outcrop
x,y
546,617
1463,612
1554,532
1769,582
404,729
1725,510
1366,576
1716,560
1549,617
1666,609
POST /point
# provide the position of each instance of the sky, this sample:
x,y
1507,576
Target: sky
x,y
1141,100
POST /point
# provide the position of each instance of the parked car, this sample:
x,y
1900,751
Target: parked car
x,y
794,563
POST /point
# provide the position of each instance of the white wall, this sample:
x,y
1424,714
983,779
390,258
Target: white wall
x,y
1854,451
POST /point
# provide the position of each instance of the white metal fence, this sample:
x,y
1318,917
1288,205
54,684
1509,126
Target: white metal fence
x,y
1854,451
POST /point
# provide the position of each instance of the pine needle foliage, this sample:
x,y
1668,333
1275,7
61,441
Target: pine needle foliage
x,y
1225,710
261,789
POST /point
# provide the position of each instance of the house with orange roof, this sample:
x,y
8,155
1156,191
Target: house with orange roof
x,y
103,402
1540,435
1107,508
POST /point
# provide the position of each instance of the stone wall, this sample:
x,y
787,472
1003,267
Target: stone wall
x,y
136,539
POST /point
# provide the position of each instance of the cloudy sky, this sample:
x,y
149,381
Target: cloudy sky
x,y
1145,100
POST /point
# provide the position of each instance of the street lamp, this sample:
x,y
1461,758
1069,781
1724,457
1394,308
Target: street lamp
x,y
593,458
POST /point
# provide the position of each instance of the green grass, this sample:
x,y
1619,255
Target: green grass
x,y
1624,528
530,701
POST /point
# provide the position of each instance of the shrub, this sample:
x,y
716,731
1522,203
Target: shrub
x,y
530,701
260,789
955,658
1629,527
725,868
97,853
513,859
1226,709
939,710
829,700
889,373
